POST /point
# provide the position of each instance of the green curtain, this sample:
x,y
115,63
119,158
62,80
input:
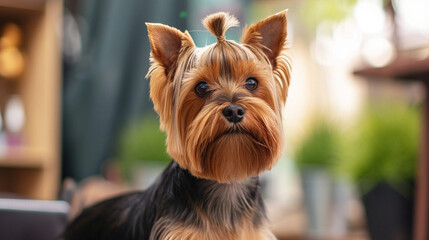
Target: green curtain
x,y
106,87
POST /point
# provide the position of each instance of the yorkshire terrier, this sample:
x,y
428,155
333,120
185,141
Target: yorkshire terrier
x,y
221,107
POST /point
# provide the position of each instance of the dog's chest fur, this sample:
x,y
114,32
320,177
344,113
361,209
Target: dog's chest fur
x,y
221,211
178,206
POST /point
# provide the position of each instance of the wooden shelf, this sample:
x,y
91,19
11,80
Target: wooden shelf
x,y
34,170
30,5
405,67
21,159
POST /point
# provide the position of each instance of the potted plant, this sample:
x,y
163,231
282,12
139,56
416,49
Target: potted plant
x,y
142,154
317,157
381,156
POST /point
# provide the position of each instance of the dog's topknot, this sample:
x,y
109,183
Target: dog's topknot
x,y
218,23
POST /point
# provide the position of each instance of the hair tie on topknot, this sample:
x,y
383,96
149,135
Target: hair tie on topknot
x,y
219,23
220,38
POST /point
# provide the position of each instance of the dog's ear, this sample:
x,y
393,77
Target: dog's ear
x,y
268,34
166,43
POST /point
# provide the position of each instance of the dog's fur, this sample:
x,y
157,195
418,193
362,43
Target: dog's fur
x,y
211,190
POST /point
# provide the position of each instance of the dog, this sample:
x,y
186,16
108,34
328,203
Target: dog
x,y
221,107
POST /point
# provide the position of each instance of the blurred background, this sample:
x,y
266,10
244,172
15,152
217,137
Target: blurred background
x,y
77,124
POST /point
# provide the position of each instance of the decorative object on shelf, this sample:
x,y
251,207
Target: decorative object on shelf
x,y
14,121
11,58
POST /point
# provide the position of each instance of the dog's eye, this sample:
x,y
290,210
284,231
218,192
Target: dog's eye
x,y
202,89
251,84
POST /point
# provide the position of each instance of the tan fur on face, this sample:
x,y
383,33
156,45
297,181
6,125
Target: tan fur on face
x,y
199,138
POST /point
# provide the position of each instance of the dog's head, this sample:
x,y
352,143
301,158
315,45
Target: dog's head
x,y
221,105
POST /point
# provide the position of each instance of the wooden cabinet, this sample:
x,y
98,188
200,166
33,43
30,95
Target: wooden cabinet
x,y
33,169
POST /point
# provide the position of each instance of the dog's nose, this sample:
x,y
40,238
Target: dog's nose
x,y
233,113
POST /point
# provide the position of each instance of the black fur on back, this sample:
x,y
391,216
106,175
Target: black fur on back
x,y
174,195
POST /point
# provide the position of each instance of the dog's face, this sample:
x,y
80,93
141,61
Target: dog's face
x,y
221,105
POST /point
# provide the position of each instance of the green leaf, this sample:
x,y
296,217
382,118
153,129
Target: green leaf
x,y
142,142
